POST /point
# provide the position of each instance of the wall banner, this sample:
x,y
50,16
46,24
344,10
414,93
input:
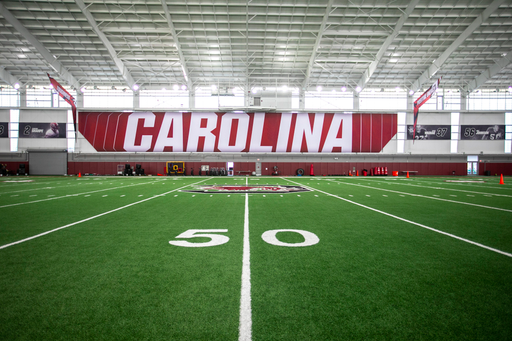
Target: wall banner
x,y
429,132
4,132
237,132
482,132
42,130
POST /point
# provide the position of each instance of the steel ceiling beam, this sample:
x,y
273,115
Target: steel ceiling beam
x,y
63,73
436,65
177,43
7,77
317,43
489,73
378,57
113,54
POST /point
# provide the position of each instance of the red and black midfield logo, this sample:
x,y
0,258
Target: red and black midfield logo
x,y
246,189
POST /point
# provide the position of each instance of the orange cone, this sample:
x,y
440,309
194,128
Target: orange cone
x,y
501,180
407,174
79,174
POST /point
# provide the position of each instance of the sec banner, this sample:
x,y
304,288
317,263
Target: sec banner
x,y
42,130
3,129
237,132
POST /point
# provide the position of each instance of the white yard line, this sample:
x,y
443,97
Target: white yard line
x,y
427,197
75,195
93,217
447,189
245,328
410,222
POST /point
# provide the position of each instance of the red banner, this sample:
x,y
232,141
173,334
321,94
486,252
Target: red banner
x,y
237,132
66,96
421,100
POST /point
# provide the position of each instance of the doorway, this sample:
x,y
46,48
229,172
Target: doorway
x,y
472,165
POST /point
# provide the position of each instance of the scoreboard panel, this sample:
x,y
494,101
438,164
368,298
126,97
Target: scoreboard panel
x,y
175,167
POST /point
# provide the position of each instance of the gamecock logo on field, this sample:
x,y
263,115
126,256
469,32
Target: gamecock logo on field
x,y
246,189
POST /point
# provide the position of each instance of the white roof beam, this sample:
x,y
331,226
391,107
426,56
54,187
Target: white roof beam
x,y
7,77
317,42
489,73
47,55
113,54
373,66
177,43
436,65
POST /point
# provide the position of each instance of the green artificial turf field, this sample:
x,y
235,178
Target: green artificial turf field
x,y
360,258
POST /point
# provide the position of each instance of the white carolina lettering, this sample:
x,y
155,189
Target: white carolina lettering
x,y
312,135
257,133
241,133
176,141
131,132
284,133
196,131
345,142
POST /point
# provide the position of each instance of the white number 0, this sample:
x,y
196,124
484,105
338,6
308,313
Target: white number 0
x,y
216,239
309,238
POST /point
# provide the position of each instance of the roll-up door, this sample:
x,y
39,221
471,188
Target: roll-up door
x,y
48,163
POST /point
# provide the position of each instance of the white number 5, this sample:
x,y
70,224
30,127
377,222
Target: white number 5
x,y
216,239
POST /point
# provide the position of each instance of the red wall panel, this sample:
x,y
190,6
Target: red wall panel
x,y
288,168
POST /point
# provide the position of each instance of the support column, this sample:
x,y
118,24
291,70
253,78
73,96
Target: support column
x,y
355,101
23,96
410,102
302,99
136,99
191,98
79,99
463,101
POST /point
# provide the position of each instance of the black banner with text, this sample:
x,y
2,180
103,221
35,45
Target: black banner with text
x,y
429,132
482,132
42,130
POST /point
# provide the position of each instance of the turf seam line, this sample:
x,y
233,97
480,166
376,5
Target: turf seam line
x,y
93,217
245,327
75,195
411,222
427,197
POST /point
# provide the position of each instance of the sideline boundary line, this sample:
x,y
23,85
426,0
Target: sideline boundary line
x,y
409,221
245,328
427,197
76,195
442,188
93,217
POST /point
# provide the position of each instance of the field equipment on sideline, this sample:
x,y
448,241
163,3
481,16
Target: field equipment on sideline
x,y
139,170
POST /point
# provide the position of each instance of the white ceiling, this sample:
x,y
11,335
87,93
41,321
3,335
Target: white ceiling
x,y
297,43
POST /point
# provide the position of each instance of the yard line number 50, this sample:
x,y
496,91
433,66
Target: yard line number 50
x,y
219,239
